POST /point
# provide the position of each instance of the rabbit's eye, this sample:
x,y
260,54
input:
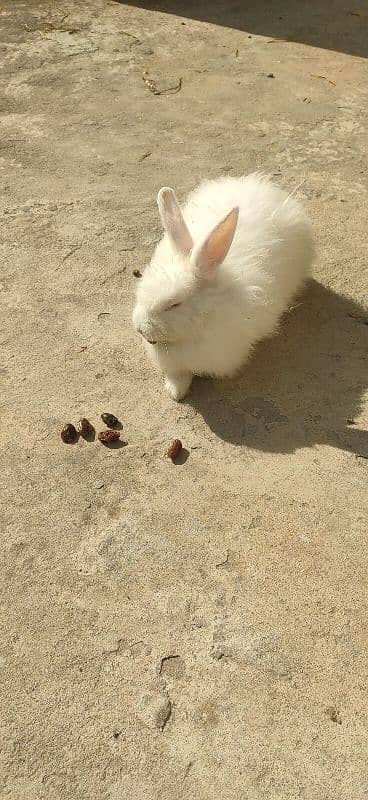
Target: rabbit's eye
x,y
174,305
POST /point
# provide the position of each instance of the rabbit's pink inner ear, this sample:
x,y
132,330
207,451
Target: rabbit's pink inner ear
x,y
217,245
173,221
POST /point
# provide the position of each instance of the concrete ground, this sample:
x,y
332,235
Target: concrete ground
x,y
197,630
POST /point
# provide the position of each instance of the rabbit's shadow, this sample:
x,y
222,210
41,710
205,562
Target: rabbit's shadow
x,y
302,387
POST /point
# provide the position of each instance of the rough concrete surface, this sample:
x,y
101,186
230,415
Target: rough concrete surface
x,y
197,630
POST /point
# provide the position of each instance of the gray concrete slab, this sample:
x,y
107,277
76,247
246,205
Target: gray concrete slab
x,y
197,630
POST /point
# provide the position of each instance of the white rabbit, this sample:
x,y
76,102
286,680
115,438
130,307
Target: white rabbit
x,y
226,269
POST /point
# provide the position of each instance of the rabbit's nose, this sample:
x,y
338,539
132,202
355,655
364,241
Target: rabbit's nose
x,y
145,337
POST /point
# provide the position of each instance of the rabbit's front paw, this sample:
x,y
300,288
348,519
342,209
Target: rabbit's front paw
x,y
178,385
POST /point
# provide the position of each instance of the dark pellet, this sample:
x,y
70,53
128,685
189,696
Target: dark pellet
x,y
175,449
85,428
68,433
107,437
110,420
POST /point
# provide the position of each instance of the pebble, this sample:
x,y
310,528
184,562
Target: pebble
x,y
155,710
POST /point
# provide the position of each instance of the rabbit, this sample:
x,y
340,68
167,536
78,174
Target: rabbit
x,y
226,269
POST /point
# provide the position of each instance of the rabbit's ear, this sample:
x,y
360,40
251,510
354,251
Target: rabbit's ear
x,y
173,221
210,253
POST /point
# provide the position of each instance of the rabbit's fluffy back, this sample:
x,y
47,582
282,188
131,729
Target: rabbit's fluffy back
x,y
272,227
268,262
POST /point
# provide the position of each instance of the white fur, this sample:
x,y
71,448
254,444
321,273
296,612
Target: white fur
x,y
251,251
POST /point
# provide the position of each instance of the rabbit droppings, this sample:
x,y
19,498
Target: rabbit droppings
x,y
219,280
